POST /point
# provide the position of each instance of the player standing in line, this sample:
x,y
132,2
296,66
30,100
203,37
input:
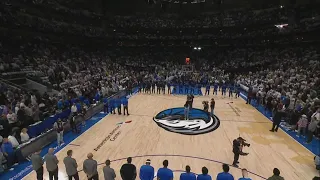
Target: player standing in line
x,y
215,88
231,89
163,87
207,89
237,89
153,87
169,87
223,89
158,87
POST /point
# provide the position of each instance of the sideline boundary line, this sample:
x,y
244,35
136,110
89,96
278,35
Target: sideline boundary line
x,y
244,97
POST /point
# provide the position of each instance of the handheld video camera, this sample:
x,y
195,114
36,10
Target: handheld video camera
x,y
243,142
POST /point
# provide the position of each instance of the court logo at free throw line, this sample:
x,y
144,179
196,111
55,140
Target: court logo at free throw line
x,y
200,122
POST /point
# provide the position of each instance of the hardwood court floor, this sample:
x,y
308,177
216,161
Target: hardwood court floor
x,y
144,137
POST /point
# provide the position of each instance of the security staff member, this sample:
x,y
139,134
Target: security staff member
x,y
37,164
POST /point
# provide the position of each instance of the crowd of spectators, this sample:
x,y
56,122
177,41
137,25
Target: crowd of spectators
x,y
286,75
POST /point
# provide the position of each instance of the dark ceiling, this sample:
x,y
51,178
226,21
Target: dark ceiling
x,y
133,6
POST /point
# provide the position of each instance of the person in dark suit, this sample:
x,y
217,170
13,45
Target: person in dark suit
x,y
279,113
128,171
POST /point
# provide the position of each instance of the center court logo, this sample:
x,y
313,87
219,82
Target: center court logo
x,y
200,122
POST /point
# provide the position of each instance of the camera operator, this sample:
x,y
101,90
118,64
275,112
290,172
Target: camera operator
x,y
237,150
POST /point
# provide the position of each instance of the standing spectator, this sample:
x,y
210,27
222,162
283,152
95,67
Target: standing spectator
x,y
302,125
244,175
74,109
12,119
37,164
204,175
250,94
21,115
24,135
58,127
52,164
4,127
147,171
71,166
13,140
90,168
73,124
108,172
316,115
312,129
225,175
165,173
188,175
276,175
8,152
277,119
128,171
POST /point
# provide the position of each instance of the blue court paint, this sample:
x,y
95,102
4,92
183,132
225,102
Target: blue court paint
x,y
314,146
24,168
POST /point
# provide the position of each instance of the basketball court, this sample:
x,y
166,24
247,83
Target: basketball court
x,y
142,138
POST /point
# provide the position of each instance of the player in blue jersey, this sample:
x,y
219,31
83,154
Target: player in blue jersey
x,y
169,87
224,89
215,88
207,89
231,89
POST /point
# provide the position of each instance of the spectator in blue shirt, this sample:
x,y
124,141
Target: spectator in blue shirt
x,y
188,175
165,173
244,175
60,104
204,175
8,152
225,175
147,171
207,89
67,103
97,96
86,102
